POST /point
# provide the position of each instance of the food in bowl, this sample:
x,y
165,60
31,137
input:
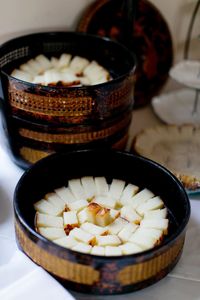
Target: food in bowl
x,y
91,216
40,120
101,274
67,70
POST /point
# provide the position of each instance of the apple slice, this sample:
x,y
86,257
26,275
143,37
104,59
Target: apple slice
x,y
94,229
89,187
96,73
156,214
44,62
125,233
98,250
101,186
70,221
145,242
45,207
55,200
22,75
67,242
64,61
130,248
108,240
103,217
140,198
116,189
92,210
105,201
151,204
117,225
156,234
161,224
78,64
54,62
44,220
128,213
77,188
83,216
77,205
129,191
113,251
39,79
51,233
27,69
146,238
36,66
65,194
83,236
84,81
114,213
83,248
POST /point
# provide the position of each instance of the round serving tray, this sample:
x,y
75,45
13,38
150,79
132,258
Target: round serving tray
x,y
151,41
175,147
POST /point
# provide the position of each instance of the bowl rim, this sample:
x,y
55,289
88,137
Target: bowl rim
x,y
75,33
147,254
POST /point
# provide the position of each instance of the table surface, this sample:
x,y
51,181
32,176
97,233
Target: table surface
x,y
182,283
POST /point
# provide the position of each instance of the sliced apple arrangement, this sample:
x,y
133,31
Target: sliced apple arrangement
x,y
67,70
92,216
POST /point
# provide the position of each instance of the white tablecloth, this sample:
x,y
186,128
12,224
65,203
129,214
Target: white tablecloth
x,y
19,277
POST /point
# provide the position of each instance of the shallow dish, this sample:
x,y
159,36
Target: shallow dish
x,y
177,107
97,274
175,147
100,113
187,72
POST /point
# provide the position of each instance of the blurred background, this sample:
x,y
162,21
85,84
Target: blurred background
x,y
21,16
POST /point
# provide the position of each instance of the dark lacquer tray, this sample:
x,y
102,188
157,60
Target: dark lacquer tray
x,y
151,41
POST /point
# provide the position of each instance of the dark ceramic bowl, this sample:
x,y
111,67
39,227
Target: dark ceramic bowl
x,y
40,120
96,274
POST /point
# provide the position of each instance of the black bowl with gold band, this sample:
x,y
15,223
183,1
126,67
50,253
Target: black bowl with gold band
x,y
83,116
99,274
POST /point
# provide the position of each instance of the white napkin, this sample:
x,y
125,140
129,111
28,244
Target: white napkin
x,y
21,279
189,265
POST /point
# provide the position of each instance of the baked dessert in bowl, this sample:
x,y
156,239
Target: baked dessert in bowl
x,y
82,267
47,108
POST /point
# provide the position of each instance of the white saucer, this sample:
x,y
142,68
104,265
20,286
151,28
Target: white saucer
x,y
187,72
176,107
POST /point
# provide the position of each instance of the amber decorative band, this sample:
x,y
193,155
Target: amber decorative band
x,y
60,267
32,155
71,105
148,269
75,138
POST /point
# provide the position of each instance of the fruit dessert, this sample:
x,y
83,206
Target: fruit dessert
x,y
67,70
90,215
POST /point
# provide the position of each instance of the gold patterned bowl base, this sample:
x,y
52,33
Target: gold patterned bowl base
x,y
99,274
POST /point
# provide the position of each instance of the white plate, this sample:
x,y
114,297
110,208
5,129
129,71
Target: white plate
x,y
176,107
175,147
187,72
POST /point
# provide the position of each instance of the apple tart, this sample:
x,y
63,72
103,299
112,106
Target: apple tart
x,y
90,215
176,148
67,70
